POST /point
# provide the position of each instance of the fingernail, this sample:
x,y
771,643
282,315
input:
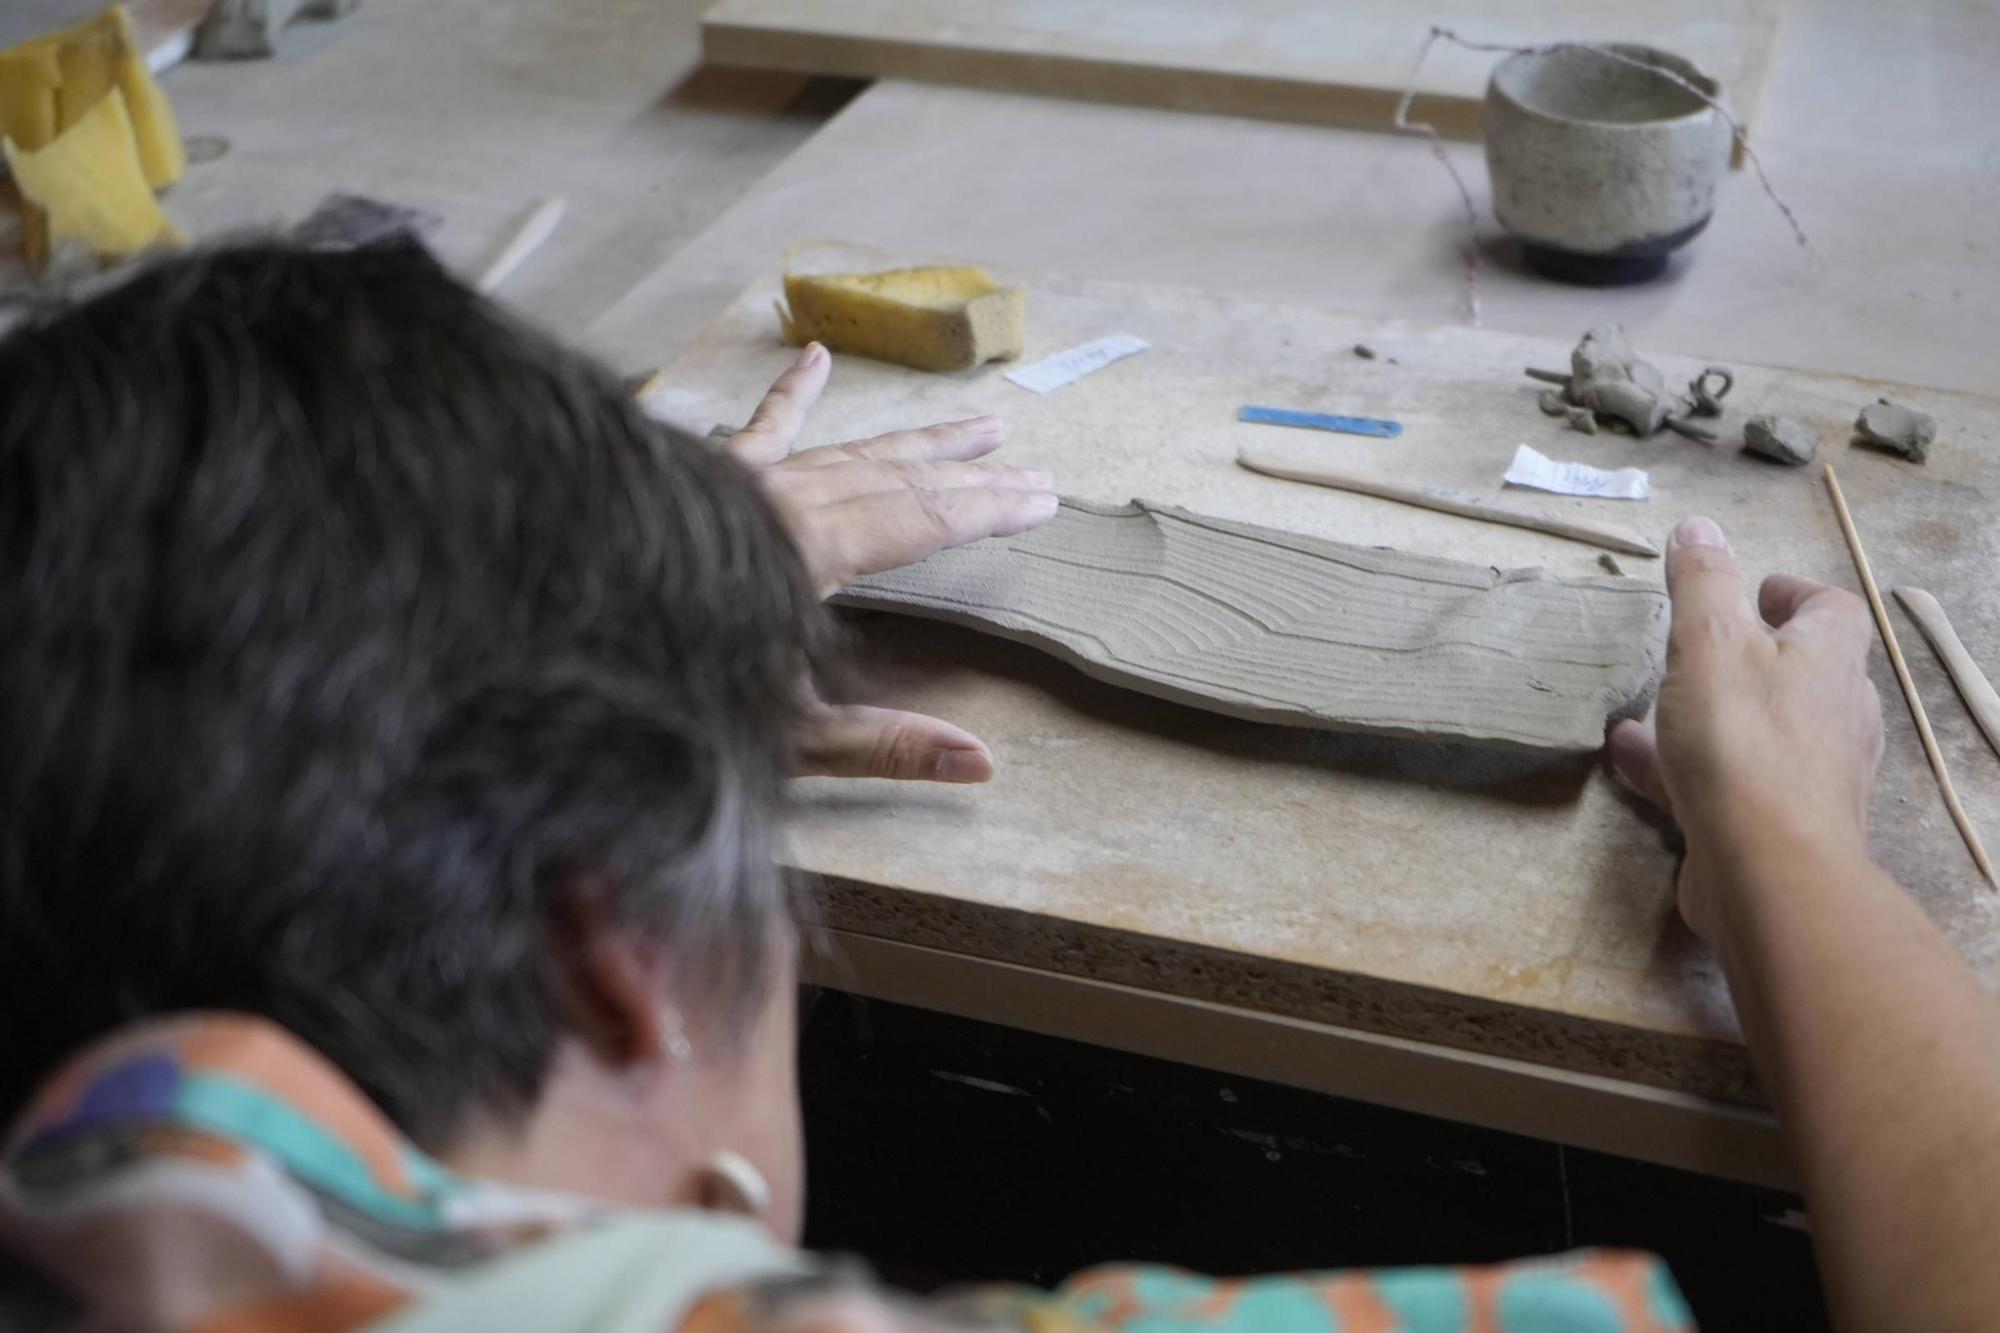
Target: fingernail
x,y
1699,531
1043,507
813,354
989,425
964,766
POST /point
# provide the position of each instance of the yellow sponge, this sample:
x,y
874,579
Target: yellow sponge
x,y
924,318
87,183
53,82
29,79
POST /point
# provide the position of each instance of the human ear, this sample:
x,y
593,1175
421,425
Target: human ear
x,y
608,985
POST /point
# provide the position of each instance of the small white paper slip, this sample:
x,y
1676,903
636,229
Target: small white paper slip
x,y
1540,473
1052,372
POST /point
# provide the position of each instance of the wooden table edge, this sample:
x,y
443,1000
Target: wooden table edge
x,y
1578,1110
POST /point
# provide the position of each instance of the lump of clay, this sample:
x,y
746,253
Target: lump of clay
x,y
1782,438
1901,430
248,29
924,318
1607,376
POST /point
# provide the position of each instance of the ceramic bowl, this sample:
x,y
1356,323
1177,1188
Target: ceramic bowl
x,y
1602,168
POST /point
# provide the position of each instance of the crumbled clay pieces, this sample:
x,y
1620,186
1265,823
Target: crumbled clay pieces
x,y
1607,376
1900,430
1284,628
1780,438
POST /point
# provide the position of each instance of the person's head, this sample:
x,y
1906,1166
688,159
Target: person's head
x,y
369,663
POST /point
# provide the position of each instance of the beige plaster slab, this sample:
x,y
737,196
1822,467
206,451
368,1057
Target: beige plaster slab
x,y
1504,904
1276,627
1298,60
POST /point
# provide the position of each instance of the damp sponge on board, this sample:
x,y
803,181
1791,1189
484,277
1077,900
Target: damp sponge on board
x,y
924,318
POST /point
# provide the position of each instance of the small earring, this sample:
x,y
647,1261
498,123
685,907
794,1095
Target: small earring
x,y
675,1043
741,1184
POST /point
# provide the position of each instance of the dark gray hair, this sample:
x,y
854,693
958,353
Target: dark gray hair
x,y
339,616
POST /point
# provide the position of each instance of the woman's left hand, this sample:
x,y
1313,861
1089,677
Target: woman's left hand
x,y
880,504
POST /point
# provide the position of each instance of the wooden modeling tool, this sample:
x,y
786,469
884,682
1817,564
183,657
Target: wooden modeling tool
x,y
1447,501
1924,732
537,227
1980,699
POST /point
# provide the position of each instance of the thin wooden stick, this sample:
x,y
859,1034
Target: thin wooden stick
x,y
1931,751
523,241
1447,501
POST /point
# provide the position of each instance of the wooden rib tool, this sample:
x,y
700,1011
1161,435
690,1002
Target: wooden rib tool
x,y
1447,501
1980,698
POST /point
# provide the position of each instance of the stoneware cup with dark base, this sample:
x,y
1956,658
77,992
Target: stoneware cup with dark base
x,y
1600,167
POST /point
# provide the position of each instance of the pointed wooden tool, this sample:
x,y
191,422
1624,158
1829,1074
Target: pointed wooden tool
x,y
1924,732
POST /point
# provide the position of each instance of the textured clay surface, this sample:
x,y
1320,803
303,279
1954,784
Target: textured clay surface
x,y
1275,626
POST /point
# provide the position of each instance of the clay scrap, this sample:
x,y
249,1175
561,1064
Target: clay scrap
x,y
248,29
1279,627
1608,379
1900,430
1781,439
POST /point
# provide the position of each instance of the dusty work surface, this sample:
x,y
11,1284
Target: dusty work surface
x,y
1278,627
1285,59
1875,125
1507,905
474,111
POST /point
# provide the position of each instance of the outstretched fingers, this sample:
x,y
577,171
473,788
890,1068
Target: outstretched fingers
x,y
896,528
1705,585
860,742
1800,608
839,482
1634,749
955,441
782,414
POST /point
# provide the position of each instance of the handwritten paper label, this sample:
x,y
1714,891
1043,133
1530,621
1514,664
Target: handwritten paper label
x,y
1052,372
1540,473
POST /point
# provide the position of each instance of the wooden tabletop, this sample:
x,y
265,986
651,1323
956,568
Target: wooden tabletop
x,y
1368,887
1518,906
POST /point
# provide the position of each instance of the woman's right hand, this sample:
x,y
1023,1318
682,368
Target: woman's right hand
x,y
1767,734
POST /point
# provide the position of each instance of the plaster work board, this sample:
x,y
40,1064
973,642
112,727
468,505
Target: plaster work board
x,y
1295,60
1505,905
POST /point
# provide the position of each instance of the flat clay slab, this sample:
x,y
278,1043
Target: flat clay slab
x,y
1279,627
